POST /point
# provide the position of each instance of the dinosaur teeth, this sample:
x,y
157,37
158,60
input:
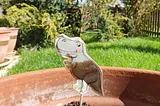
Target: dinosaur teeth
x,y
73,52
67,52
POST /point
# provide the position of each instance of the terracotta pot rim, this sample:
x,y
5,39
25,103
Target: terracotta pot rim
x,y
9,28
11,53
129,86
118,69
4,28
130,69
13,28
5,31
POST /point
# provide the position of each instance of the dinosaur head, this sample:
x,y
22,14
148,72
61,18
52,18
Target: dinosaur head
x,y
69,45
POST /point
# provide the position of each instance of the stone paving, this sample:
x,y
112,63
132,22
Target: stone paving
x,y
4,70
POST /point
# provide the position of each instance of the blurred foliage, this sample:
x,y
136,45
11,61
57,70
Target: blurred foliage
x,y
91,11
40,21
69,14
91,36
50,6
36,28
138,11
70,1
96,15
22,14
73,21
4,22
111,26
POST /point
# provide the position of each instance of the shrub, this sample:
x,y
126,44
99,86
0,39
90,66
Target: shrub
x,y
36,28
91,36
138,11
99,16
22,14
111,26
73,21
71,25
4,22
32,36
50,6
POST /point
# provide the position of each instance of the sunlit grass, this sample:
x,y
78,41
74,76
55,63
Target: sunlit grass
x,y
37,60
142,53
130,52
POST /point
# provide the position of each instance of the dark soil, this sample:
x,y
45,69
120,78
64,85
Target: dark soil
x,y
76,103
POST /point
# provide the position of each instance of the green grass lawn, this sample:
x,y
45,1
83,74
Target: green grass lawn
x,y
142,53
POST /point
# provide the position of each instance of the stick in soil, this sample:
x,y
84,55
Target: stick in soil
x,y
81,99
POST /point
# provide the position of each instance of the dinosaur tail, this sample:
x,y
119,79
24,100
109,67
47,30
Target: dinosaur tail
x,y
97,87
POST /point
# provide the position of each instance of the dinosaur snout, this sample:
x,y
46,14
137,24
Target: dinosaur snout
x,y
62,36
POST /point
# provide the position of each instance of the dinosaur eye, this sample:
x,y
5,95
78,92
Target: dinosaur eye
x,y
79,45
63,40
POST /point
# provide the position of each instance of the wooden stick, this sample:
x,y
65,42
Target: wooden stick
x,y
81,95
81,99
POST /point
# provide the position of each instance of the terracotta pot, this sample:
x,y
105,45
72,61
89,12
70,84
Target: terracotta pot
x,y
12,41
53,87
4,38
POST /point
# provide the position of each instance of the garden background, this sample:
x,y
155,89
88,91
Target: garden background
x,y
116,35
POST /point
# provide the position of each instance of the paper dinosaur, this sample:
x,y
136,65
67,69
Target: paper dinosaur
x,y
82,67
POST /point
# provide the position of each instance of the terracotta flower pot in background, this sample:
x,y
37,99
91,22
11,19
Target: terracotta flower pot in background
x,y
54,87
12,41
4,38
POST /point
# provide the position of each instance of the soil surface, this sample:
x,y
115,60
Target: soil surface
x,y
76,103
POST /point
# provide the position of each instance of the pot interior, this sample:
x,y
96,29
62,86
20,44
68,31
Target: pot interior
x,y
53,87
